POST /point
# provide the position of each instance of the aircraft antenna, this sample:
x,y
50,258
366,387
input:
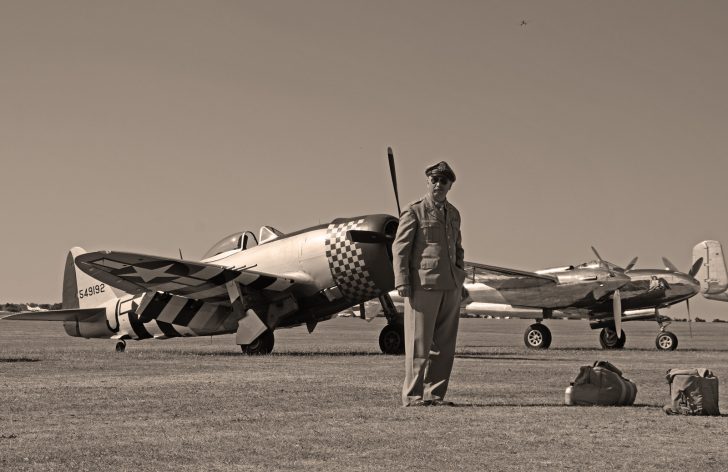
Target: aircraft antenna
x,y
180,253
393,172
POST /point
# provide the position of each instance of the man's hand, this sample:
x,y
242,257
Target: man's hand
x,y
464,295
404,291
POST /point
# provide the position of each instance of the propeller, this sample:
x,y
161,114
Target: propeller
x,y
696,267
690,320
393,172
631,264
617,308
602,262
669,265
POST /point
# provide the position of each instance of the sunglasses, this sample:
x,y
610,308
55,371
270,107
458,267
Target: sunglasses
x,y
435,179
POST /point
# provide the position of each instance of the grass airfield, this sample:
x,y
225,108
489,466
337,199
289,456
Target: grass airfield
x,y
330,401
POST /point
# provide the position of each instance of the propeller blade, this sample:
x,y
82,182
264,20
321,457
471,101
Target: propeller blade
x,y
617,307
696,267
669,265
360,236
631,264
390,155
602,262
690,320
362,312
597,254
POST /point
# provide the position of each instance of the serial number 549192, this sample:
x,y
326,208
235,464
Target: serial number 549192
x,y
91,291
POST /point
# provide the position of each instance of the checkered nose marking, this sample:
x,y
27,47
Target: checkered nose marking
x,y
347,263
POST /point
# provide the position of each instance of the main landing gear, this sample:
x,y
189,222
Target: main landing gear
x,y
537,336
391,339
262,345
609,340
121,346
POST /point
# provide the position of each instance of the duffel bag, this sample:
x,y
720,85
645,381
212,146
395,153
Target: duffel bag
x,y
601,384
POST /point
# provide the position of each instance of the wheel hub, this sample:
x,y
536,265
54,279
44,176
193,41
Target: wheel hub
x,y
535,338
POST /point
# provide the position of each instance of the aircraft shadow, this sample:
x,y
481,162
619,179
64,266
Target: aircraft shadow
x,y
18,359
495,357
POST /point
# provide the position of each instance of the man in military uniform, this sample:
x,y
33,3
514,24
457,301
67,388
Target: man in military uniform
x,y
429,273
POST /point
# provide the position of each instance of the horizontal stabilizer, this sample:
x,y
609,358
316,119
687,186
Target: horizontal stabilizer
x,y
75,314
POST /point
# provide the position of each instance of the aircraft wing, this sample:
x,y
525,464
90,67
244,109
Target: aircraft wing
x,y
505,278
138,273
86,314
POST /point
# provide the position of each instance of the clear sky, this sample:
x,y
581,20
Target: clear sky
x,y
149,126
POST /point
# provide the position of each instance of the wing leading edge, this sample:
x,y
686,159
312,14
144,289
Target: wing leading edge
x,y
506,278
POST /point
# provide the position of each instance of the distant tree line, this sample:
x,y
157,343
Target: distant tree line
x,y
17,307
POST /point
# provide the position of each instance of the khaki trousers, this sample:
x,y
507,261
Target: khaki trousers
x,y
430,332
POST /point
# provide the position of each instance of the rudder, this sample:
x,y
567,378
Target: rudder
x,y
80,290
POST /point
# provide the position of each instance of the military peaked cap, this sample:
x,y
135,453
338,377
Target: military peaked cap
x,y
441,168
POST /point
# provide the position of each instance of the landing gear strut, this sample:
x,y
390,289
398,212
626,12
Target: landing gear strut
x,y
262,345
121,346
609,340
537,336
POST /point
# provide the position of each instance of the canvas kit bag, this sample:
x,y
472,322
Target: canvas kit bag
x,y
693,392
600,384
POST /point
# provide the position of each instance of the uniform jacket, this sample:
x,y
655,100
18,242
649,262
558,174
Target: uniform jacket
x,y
427,250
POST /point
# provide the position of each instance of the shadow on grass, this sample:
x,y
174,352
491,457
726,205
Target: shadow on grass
x,y
278,354
496,357
550,405
18,359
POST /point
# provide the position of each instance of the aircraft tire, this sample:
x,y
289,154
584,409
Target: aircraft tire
x,y
263,345
537,336
120,346
609,340
391,339
666,341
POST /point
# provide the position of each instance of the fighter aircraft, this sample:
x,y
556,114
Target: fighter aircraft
x,y
242,285
712,275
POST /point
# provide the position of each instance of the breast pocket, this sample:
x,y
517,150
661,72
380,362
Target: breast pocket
x,y
432,232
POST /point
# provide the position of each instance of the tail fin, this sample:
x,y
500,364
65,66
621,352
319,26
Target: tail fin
x,y
80,290
712,274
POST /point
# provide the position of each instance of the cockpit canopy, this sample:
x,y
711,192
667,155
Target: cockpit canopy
x,y
233,243
241,241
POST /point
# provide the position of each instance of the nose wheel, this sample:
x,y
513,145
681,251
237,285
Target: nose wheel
x,y
666,341
537,336
121,346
